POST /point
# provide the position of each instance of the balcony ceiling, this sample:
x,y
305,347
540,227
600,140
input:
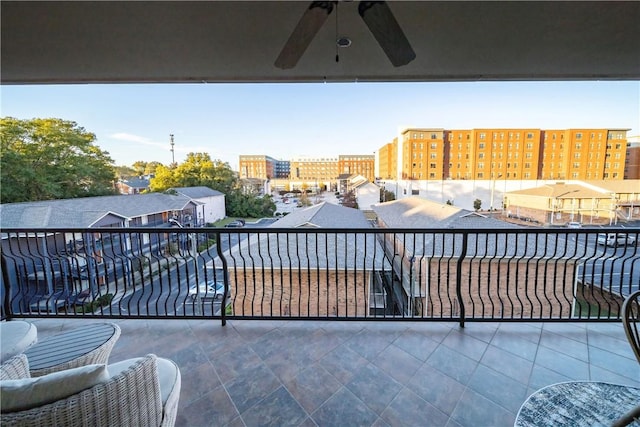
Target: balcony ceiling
x,y
183,41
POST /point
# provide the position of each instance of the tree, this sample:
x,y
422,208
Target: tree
x,y
477,204
386,195
45,159
197,170
349,200
123,172
151,167
139,167
246,205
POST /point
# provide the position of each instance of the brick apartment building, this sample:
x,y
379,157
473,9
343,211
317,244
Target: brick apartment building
x,y
512,154
357,164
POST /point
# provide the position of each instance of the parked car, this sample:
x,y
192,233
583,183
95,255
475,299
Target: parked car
x,y
574,224
235,224
60,300
210,290
616,239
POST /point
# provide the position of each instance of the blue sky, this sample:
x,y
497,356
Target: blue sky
x,y
133,122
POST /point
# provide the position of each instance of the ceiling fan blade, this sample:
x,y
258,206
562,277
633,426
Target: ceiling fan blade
x,y
387,31
308,26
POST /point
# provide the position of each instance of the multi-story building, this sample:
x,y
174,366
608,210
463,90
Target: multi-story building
x,y
632,159
314,170
388,160
422,153
283,169
589,154
357,164
257,166
460,151
513,154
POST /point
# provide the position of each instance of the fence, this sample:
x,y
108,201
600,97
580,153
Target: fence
x,y
320,274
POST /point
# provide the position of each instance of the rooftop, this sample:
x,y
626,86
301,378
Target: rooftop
x,y
369,373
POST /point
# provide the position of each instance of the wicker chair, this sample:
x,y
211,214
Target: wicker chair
x,y
630,320
15,368
137,394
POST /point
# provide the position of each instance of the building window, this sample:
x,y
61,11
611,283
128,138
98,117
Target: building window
x,y
434,136
481,145
434,155
480,175
481,155
482,135
434,146
432,165
529,135
578,135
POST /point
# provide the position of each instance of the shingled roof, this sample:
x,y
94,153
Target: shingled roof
x,y
196,192
87,211
324,215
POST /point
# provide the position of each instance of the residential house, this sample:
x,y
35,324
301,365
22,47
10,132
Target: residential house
x,y
212,203
311,274
133,185
52,260
500,268
590,202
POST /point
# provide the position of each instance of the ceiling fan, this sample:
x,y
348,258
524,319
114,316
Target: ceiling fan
x,y
377,16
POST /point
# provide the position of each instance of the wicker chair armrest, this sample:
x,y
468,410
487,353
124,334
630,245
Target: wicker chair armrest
x,y
170,410
15,368
130,398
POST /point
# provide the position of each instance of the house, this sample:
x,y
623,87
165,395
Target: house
x,y
588,202
212,203
134,185
367,194
51,260
310,274
502,268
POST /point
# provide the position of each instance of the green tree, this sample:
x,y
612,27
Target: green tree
x,y
386,195
123,172
45,159
151,167
197,169
477,204
139,167
163,179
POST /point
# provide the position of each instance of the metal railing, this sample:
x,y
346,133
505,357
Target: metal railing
x,y
337,274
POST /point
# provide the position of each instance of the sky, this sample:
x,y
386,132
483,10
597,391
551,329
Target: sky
x,y
133,122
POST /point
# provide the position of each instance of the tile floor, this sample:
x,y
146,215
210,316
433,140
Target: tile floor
x,y
267,373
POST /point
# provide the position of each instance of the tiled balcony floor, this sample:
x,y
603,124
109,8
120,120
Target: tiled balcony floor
x,y
259,373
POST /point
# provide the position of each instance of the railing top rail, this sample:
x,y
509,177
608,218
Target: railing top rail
x,y
372,230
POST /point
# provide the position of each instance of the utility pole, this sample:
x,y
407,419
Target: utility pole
x,y
173,153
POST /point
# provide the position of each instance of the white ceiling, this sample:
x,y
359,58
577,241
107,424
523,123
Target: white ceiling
x,y
215,41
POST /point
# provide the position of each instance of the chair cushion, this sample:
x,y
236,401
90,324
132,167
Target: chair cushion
x,y
27,393
16,336
167,374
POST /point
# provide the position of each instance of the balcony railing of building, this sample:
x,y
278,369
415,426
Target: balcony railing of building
x,y
320,274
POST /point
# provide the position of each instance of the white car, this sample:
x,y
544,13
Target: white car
x,y
573,224
615,240
211,290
